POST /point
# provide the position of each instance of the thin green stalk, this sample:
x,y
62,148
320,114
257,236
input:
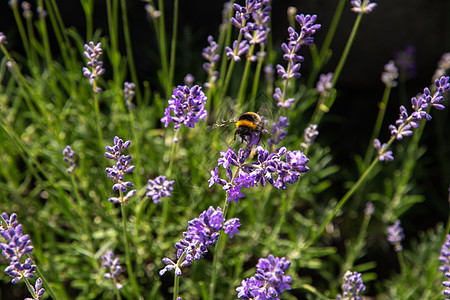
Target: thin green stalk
x,y
244,79
165,212
357,246
97,116
256,79
22,33
79,207
33,65
163,48
176,286
224,39
173,46
324,51
218,251
345,198
113,23
378,124
348,46
23,83
129,49
127,251
137,156
45,283
88,7
59,33
44,32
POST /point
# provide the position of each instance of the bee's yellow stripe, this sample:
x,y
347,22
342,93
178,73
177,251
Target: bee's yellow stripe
x,y
245,123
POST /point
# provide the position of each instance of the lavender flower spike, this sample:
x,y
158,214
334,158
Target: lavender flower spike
x,y
202,232
396,235
92,53
16,247
37,290
444,258
352,287
68,158
186,107
158,188
364,7
390,74
405,123
269,282
113,267
119,169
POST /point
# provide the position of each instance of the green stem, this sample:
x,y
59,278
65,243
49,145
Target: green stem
x,y
324,51
84,221
345,198
176,286
218,251
129,49
21,28
163,48
378,124
244,79
45,283
256,79
48,53
347,48
127,250
97,116
173,46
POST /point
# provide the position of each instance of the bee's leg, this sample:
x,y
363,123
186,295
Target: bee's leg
x,y
234,138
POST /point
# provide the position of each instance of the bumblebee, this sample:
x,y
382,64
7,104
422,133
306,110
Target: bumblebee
x,y
248,127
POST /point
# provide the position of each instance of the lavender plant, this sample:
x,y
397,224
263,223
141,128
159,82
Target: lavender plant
x,y
288,200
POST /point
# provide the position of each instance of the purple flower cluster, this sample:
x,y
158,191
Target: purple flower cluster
x,y
68,158
119,169
113,267
290,49
296,40
210,54
129,93
201,233
254,32
269,280
158,188
281,102
444,258
278,131
420,105
383,155
396,235
325,83
364,7
92,53
352,287
187,105
269,167
3,40
16,247
443,66
37,290
390,74
309,136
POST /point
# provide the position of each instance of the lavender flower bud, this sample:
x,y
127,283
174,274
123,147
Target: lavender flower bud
x,y
364,7
390,75
396,235
158,188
